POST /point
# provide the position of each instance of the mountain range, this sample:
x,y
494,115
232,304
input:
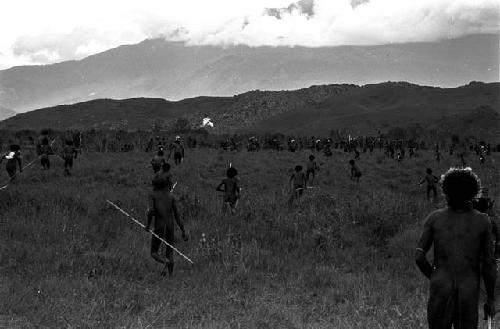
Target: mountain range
x,y
173,70
472,109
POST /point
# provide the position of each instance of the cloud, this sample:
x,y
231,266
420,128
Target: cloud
x,y
40,32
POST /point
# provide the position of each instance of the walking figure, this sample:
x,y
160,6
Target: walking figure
x,y
463,253
163,209
231,190
13,159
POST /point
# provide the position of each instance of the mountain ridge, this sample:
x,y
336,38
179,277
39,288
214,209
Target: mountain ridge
x,y
313,110
172,70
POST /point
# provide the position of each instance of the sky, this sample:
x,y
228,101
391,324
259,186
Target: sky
x,y
49,31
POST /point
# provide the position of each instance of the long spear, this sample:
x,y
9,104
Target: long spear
x,y
150,231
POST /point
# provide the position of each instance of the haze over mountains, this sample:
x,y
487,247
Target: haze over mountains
x,y
471,110
172,70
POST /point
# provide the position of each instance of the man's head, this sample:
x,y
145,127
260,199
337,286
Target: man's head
x,y
69,142
311,157
14,148
351,162
159,183
298,168
160,153
231,172
460,185
429,171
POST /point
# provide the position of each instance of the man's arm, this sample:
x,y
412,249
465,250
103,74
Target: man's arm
x,y
20,162
488,268
150,213
424,244
178,219
219,187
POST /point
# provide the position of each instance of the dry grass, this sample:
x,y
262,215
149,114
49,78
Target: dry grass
x,y
342,257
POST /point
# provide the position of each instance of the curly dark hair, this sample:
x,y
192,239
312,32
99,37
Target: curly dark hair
x,y
231,172
460,185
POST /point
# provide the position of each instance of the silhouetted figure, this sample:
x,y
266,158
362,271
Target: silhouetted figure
x,y
231,190
463,252
163,208
13,158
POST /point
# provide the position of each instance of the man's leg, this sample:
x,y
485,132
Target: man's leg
x,y
155,247
169,254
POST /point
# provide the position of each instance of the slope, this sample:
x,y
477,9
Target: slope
x,y
313,110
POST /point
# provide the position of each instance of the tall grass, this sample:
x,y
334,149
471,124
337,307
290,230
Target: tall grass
x,y
341,257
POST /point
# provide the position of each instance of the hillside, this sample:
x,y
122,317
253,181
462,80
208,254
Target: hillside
x,y
313,110
160,69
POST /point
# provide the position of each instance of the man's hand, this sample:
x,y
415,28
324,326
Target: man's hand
x,y
489,308
146,228
184,236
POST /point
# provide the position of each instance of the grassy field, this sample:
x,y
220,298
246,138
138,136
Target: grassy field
x,y
341,258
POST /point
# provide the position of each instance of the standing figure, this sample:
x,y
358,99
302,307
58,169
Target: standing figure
x,y
231,190
13,159
163,208
463,253
355,172
68,154
312,167
44,151
158,161
437,155
165,174
178,150
431,181
298,182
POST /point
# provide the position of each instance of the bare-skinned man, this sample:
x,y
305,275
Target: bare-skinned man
x,y
463,253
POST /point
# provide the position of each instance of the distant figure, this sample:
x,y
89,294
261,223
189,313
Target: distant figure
x,y
158,161
44,151
356,154
165,175
13,159
163,208
298,182
463,252
464,164
485,204
231,190
437,155
482,159
68,154
431,181
312,167
149,145
355,172
328,150
178,150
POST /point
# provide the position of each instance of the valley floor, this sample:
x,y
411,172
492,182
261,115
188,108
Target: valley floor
x,y
342,257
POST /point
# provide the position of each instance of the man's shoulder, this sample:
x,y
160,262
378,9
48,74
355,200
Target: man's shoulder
x,y
436,215
481,218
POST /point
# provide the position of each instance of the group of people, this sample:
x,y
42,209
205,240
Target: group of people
x,y
44,149
466,241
